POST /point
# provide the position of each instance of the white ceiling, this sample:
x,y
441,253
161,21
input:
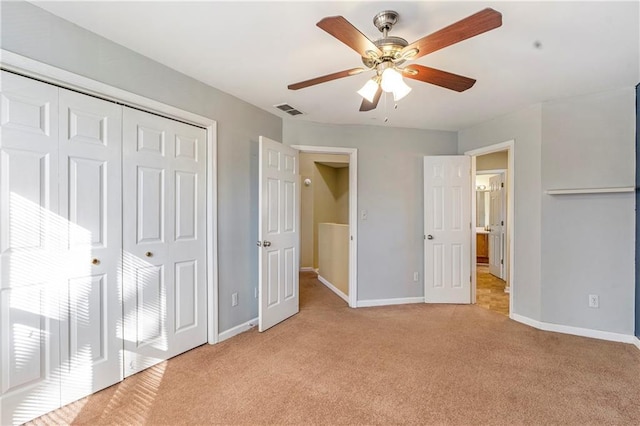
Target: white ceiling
x,y
253,50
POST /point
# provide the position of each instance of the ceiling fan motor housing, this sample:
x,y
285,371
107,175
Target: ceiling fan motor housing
x,y
389,45
385,20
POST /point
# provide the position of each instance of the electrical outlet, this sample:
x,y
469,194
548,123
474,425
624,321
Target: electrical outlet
x,y
364,214
594,301
234,299
416,276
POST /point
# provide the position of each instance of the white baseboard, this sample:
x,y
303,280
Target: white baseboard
x,y
333,288
576,331
237,330
307,269
385,302
637,343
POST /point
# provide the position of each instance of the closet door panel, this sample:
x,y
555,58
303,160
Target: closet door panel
x,y
30,269
91,208
29,226
188,238
164,240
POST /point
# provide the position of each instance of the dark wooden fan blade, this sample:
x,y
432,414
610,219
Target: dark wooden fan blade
x,y
325,78
439,78
368,106
478,23
342,29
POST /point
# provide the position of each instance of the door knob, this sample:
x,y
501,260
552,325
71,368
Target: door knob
x,y
266,244
429,237
148,254
95,261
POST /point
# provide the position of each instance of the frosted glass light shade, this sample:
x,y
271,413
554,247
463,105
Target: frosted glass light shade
x,y
369,90
400,90
390,80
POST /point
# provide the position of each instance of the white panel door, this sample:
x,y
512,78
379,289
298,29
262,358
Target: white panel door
x,y
90,148
30,271
447,226
164,202
496,225
279,233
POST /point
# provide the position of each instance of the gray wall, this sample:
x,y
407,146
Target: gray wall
x,y
390,185
32,32
524,127
570,246
588,240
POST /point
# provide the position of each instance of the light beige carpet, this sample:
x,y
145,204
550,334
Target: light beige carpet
x,y
419,364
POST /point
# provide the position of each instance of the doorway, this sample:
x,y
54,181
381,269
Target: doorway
x,y
329,237
324,220
491,289
492,239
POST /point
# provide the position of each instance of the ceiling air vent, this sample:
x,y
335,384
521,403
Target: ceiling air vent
x,y
288,109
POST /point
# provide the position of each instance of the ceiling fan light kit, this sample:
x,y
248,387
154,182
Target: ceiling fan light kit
x,y
385,55
368,91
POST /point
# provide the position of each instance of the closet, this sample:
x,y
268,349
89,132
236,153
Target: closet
x,y
102,244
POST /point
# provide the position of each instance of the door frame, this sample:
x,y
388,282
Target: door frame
x,y
28,67
508,146
353,209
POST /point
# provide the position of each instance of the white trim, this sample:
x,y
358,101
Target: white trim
x,y
502,146
333,288
589,190
307,269
234,331
31,68
353,210
576,331
637,342
490,172
212,235
474,235
509,146
387,302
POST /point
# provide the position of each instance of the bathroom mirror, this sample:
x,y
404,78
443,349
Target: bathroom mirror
x,y
483,203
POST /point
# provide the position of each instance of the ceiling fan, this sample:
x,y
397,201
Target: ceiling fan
x,y
386,54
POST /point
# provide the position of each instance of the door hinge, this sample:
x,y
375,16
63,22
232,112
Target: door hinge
x,y
470,279
501,184
502,261
502,223
352,238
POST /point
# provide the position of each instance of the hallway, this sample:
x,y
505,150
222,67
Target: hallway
x,y
315,295
490,291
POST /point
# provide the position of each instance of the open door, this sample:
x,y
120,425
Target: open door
x,y
496,226
447,227
279,233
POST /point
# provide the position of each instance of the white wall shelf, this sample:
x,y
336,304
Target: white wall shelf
x,y
589,190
